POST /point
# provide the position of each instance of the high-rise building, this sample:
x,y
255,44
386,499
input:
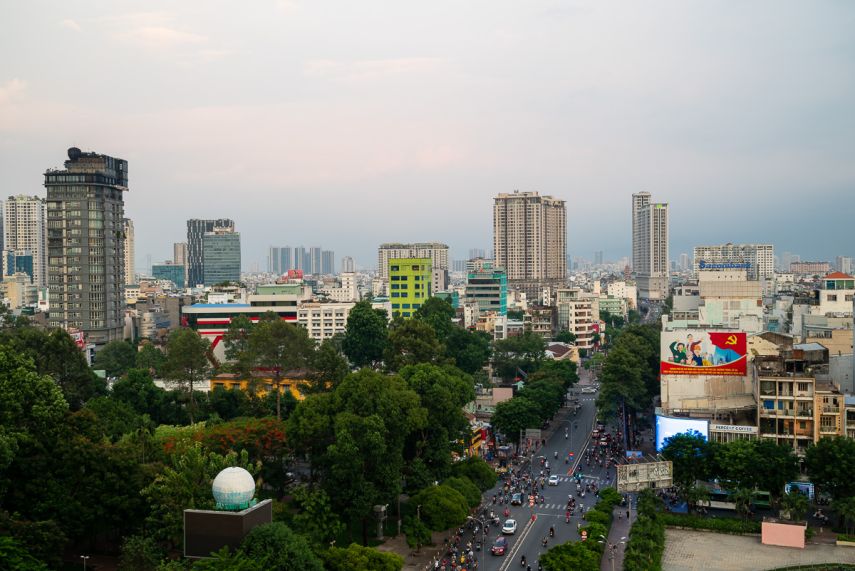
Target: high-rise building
x,y
179,257
314,260
274,260
410,282
347,265
844,264
758,260
18,262
172,272
300,259
530,238
196,230
327,262
598,258
684,261
477,253
25,229
221,256
438,254
650,246
130,270
85,239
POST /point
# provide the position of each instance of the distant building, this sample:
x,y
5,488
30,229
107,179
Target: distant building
x,y
810,268
758,260
438,254
171,272
650,246
488,287
347,265
530,239
179,257
196,230
575,313
130,267
19,261
221,256
327,262
324,320
25,229
844,264
410,282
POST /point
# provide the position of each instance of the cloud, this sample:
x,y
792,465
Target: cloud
x,y
70,25
368,69
11,91
163,37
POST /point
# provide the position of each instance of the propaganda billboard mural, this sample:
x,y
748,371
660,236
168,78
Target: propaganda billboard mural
x,y
702,352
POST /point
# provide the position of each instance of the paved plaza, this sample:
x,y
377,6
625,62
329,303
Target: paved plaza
x,y
698,550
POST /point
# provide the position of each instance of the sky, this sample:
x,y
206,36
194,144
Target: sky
x,y
347,124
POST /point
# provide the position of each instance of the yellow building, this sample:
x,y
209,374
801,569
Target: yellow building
x,y
291,381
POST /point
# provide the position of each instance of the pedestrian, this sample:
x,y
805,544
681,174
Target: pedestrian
x,y
627,515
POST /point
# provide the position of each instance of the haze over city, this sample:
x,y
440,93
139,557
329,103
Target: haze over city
x,y
351,124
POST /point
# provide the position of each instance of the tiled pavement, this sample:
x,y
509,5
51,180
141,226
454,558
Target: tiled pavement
x,y
696,551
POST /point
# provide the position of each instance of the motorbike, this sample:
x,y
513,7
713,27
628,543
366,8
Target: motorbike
x,y
551,532
522,561
507,512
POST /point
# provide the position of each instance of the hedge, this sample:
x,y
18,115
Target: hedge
x,y
721,525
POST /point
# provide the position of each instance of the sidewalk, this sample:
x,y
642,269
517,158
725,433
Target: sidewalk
x,y
613,558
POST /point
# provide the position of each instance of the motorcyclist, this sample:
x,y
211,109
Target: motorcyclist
x,y
567,516
551,531
522,561
545,542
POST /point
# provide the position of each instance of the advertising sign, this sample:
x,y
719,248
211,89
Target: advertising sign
x,y
668,426
636,476
701,352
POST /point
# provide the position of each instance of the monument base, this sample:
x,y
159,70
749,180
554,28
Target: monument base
x,y
206,531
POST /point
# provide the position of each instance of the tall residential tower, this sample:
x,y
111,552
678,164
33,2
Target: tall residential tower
x,y
650,246
24,229
85,239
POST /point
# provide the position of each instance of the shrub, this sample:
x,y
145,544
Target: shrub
x,y
466,488
477,470
722,525
597,516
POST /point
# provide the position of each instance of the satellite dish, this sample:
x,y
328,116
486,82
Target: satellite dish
x,y
74,153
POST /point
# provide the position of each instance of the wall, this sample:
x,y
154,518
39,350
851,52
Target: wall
x,y
783,534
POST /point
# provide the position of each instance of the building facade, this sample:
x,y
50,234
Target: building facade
x,y
650,246
488,287
196,230
347,265
758,260
130,267
574,312
327,262
171,272
324,320
410,282
85,239
221,256
530,237
25,230
810,268
438,254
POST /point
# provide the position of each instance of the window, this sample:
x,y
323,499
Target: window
x,y
396,294
406,306
394,268
832,297
396,306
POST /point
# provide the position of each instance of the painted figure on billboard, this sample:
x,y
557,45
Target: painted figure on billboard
x,y
698,352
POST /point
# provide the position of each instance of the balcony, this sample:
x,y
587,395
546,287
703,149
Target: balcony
x,y
827,429
830,409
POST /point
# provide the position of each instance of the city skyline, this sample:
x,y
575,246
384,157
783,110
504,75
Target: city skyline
x,y
725,118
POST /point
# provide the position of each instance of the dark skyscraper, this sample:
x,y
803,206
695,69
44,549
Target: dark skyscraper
x,y
196,230
85,211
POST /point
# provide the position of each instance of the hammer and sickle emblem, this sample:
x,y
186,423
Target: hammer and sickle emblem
x,y
731,340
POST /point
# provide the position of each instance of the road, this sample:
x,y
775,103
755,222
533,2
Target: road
x,y
528,538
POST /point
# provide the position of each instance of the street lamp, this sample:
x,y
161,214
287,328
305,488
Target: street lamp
x,y
84,558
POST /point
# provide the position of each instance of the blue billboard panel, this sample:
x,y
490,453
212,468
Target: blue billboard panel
x,y
668,426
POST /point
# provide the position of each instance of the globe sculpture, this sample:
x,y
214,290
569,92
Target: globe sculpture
x,y
233,489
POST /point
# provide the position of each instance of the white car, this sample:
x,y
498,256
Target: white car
x,y
509,527
553,480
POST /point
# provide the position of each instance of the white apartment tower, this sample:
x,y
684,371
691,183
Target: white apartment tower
x,y
650,246
130,269
25,228
438,253
347,265
530,236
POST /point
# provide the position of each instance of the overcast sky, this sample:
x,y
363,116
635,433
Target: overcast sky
x,y
347,124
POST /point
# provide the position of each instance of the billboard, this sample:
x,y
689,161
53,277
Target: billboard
x,y
668,426
702,352
645,475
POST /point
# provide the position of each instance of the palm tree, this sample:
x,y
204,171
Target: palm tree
x,y
795,504
742,498
695,495
845,509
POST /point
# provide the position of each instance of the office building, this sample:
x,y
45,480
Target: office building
x,y
488,287
196,230
327,262
758,260
477,253
844,264
25,230
810,268
410,282
684,262
347,265
530,238
274,260
650,246
172,272
300,259
86,245
221,256
438,254
324,320
598,258
179,257
19,262
130,269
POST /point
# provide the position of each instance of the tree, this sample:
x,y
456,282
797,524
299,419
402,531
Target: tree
x,y
328,367
316,521
417,532
571,555
467,489
15,556
227,560
366,335
566,337
470,350
477,471
523,353
440,507
411,342
139,553
621,381
116,357
695,495
776,465
187,363
236,344
831,463
690,454
358,558
437,313
795,504
137,390
515,415
150,358
742,497
845,510
115,417
280,549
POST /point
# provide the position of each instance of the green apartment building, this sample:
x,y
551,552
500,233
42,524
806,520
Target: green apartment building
x,y
409,284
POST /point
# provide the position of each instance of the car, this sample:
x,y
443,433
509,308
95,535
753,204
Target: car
x,y
553,480
510,526
500,546
516,500
588,390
